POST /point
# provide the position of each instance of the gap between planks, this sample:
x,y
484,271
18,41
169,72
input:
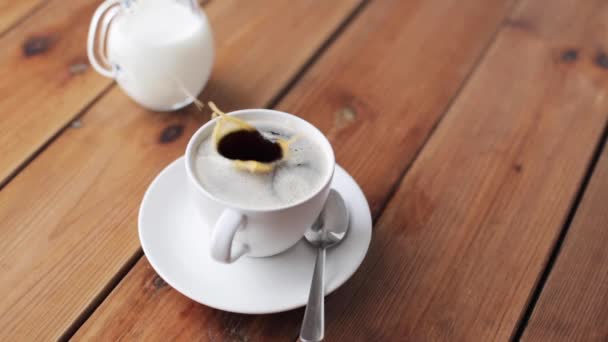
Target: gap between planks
x,y
101,296
393,190
317,55
60,131
24,17
552,258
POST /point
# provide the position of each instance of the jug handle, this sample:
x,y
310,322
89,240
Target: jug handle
x,y
107,10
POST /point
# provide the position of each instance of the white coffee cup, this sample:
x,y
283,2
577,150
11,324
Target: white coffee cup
x,y
238,231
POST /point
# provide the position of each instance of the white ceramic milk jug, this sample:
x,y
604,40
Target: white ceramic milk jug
x,y
160,52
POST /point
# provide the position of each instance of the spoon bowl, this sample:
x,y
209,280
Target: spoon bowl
x,y
331,225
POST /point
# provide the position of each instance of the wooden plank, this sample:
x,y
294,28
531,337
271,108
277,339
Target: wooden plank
x,y
460,247
573,305
45,79
376,92
68,220
11,12
147,309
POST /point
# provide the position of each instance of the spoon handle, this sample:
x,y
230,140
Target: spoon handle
x,y
313,326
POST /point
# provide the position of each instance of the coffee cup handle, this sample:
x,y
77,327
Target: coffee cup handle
x,y
223,247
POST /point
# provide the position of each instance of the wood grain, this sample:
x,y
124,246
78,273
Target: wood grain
x,y
11,12
45,79
573,305
377,93
68,219
459,249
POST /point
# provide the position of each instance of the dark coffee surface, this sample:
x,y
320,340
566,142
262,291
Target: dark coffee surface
x,y
249,145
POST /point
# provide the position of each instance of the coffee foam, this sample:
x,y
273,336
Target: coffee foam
x,y
293,179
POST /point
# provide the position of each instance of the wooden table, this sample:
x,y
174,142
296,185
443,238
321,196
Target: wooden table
x,y
476,129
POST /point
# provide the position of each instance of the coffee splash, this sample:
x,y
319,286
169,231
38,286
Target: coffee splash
x,y
242,143
249,145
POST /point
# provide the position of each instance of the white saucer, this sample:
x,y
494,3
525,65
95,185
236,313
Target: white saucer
x,y
176,244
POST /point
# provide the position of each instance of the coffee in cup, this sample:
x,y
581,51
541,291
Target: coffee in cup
x,y
297,174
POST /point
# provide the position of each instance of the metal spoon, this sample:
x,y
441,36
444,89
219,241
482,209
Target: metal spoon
x,y
327,231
